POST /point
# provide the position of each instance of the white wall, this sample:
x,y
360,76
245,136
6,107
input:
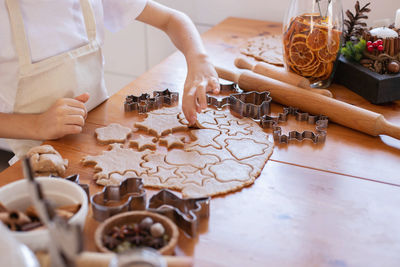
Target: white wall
x,y
137,48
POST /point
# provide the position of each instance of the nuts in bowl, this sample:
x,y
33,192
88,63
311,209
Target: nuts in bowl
x,y
137,229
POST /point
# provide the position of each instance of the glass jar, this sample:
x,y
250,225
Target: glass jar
x,y
312,37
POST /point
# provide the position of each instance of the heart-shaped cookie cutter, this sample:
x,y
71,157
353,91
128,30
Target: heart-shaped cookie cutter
x,y
144,103
186,212
319,136
130,195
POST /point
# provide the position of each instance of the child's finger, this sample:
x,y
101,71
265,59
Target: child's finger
x,y
201,96
213,85
83,97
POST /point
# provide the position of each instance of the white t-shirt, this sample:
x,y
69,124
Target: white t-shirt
x,y
54,27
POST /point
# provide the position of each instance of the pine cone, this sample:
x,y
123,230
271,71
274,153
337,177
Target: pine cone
x,y
354,24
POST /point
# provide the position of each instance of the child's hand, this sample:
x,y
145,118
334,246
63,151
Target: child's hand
x,y
65,116
201,78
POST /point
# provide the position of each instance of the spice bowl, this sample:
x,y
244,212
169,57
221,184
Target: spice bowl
x,y
15,196
115,228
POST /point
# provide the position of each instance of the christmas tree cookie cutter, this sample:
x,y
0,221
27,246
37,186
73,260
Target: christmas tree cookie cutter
x,y
130,195
186,213
249,104
144,103
319,136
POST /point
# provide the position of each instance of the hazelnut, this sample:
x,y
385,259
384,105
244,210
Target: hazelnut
x,y
393,67
157,230
146,223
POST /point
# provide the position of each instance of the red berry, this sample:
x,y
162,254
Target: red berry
x,y
369,43
380,48
370,48
379,42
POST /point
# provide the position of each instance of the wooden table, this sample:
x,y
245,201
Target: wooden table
x,y
333,204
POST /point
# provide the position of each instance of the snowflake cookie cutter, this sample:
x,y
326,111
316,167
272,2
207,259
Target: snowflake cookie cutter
x,y
247,104
319,136
144,103
185,212
130,193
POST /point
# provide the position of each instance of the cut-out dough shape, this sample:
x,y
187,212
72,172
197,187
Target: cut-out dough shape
x,y
194,158
172,141
143,142
164,174
112,133
117,160
195,177
235,128
231,170
161,124
204,138
245,148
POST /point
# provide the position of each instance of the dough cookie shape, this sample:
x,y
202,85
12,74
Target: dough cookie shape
x,y
45,160
143,142
161,124
117,160
172,141
112,133
265,48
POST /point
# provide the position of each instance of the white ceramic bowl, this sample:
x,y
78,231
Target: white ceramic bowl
x,y
15,196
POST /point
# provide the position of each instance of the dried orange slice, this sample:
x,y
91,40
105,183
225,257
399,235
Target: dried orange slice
x,y
300,54
299,38
321,70
325,56
317,39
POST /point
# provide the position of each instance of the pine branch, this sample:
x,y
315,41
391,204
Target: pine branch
x,y
354,24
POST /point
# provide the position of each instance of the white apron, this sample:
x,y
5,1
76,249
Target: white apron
x,y
68,74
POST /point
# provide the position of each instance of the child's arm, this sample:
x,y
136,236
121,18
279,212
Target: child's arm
x,y
66,116
201,76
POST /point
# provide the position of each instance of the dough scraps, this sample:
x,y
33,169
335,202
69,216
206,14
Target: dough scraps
x,y
112,133
45,160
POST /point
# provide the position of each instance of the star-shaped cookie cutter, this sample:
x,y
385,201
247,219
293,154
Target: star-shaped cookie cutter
x,y
114,199
249,104
186,213
321,122
144,103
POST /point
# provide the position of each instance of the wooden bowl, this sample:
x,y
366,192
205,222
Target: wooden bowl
x,y
136,217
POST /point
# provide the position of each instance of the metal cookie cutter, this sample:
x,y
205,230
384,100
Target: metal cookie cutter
x,y
186,213
144,103
250,104
130,193
75,178
320,121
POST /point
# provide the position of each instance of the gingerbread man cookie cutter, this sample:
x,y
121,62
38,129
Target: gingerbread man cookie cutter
x,y
114,199
144,103
319,136
130,195
186,212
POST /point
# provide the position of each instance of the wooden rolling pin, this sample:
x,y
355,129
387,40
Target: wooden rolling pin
x,y
94,259
340,112
279,73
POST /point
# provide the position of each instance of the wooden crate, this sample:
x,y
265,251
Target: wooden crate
x,y
374,87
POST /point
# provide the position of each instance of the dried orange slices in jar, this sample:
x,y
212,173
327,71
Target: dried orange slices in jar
x,y
311,46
